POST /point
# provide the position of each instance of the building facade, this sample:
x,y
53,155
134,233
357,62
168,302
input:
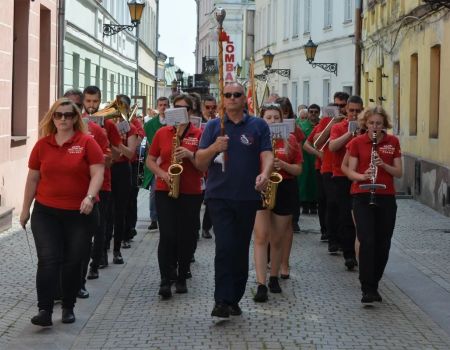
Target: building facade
x,y
109,62
405,59
285,26
28,86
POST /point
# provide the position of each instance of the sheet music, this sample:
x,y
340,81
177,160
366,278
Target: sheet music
x,y
290,124
279,130
176,116
330,111
196,121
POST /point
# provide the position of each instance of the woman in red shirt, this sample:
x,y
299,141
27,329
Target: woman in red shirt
x,y
65,175
275,226
374,222
177,217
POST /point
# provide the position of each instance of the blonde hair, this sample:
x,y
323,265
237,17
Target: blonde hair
x,y
377,110
47,126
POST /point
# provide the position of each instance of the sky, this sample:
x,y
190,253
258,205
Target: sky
x,y
177,30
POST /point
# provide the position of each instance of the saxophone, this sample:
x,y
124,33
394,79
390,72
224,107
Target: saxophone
x,y
175,168
269,196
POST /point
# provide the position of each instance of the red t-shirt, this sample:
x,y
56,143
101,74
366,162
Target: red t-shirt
x,y
299,134
112,132
100,137
337,131
138,125
310,139
161,148
64,170
327,160
388,149
292,156
124,137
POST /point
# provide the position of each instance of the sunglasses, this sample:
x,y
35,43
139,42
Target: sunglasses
x,y
315,111
210,107
342,105
234,94
66,115
187,107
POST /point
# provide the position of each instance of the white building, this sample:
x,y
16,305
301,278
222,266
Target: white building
x,y
285,26
109,62
207,47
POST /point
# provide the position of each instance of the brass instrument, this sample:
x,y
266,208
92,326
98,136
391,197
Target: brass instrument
x,y
114,109
269,196
323,140
175,168
373,173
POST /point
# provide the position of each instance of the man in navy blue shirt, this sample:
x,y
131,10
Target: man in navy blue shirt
x,y
233,195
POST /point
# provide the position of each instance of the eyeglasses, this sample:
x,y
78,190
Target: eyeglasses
x,y
234,94
315,111
351,110
267,105
187,107
210,107
341,105
66,115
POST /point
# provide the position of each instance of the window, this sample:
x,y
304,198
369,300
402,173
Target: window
x,y
284,90
306,93
328,14
435,82
286,19
76,70
326,92
413,92
348,89
295,16
294,95
348,11
112,94
87,72
307,17
97,75
104,84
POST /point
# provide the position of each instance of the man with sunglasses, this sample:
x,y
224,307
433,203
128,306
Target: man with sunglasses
x,y
340,135
233,195
209,108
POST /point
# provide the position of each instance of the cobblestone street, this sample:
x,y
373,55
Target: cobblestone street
x,y
319,308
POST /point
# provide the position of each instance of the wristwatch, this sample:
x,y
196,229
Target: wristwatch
x,y
91,197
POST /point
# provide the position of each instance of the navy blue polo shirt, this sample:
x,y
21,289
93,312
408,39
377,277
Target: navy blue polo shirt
x,y
247,139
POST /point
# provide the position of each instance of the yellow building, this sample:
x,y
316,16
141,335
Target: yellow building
x,y
405,68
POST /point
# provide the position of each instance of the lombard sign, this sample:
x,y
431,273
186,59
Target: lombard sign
x,y
229,60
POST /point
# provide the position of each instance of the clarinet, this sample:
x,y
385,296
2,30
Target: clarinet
x,y
373,169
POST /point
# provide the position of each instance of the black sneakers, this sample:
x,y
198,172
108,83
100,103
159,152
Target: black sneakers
x,y
206,234
274,286
235,310
92,274
165,291
261,294
221,311
350,263
43,319
333,248
153,225
67,316
117,258
180,287
83,293
324,237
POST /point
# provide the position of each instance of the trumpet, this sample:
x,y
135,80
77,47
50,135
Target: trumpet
x,y
175,168
269,196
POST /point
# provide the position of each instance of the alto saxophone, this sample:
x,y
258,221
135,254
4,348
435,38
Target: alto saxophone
x,y
175,168
269,196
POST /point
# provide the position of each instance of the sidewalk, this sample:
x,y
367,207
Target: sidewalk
x,y
319,308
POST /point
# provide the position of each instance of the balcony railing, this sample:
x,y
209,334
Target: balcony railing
x,y
209,65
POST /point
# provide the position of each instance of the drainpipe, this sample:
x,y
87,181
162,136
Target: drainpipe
x,y
61,29
358,31
198,36
157,55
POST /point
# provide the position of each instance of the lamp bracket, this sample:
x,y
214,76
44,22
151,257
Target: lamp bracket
x,y
283,72
329,67
113,29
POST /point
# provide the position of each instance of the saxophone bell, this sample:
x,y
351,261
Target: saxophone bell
x,y
175,169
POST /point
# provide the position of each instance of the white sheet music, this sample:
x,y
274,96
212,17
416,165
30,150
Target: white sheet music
x,y
279,130
290,124
196,121
176,116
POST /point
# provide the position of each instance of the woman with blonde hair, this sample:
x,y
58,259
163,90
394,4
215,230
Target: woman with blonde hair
x,y
275,226
65,174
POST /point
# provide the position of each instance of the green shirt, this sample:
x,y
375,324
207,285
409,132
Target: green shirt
x,y
150,128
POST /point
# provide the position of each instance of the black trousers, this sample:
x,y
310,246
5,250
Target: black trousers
x,y
62,239
374,227
120,194
332,216
131,216
346,226
206,223
233,223
178,227
321,202
98,248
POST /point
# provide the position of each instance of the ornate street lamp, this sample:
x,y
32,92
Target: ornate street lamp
x,y
310,53
179,74
238,69
268,60
136,8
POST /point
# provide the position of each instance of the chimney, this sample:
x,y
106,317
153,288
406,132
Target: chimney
x,y
171,61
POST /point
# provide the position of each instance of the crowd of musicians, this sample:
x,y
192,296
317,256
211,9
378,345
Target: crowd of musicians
x,y
83,180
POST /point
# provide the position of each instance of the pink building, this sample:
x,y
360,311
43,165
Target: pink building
x,y
28,85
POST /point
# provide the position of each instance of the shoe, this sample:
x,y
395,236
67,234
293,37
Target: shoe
x,y
221,311
284,277
324,237
117,258
103,262
234,310
180,287
83,293
165,291
368,298
133,233
126,244
189,274
377,297
43,319
350,263
295,227
333,248
92,274
192,259
67,316
261,294
153,225
273,285
206,234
